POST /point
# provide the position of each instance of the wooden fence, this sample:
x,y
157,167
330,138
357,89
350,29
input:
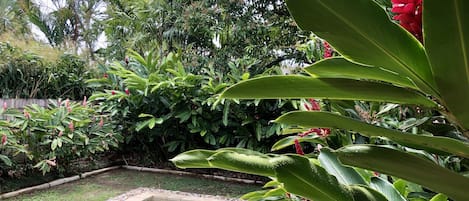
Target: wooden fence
x,y
20,103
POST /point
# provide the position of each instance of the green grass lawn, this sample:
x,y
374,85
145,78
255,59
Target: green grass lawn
x,y
110,184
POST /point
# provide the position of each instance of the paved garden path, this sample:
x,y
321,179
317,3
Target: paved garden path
x,y
141,194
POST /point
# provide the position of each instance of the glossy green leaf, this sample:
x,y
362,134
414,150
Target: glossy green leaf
x,y
369,38
446,38
339,67
406,166
193,159
241,160
360,193
330,120
345,175
386,188
5,160
439,197
302,178
372,39
273,87
290,140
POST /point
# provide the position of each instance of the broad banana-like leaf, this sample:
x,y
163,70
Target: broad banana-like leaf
x,y
290,140
303,178
361,31
243,161
273,87
360,192
233,159
345,175
446,36
407,166
435,144
386,188
339,67
439,197
193,159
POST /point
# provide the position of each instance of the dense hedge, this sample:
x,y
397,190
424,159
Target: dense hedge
x,y
26,75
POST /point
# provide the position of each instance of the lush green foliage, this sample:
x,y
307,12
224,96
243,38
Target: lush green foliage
x,y
211,33
415,150
55,135
165,109
26,75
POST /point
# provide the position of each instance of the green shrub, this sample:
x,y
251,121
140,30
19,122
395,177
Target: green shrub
x,y
166,110
26,75
53,136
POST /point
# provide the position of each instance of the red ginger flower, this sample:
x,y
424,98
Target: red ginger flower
x,y
4,139
26,114
327,50
298,148
84,101
101,122
71,126
409,15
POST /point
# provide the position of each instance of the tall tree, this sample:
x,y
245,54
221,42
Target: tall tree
x,y
210,32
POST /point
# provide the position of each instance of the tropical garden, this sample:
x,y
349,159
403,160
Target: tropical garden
x,y
324,100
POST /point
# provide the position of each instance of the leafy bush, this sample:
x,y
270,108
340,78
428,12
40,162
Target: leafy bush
x,y
382,62
26,75
167,110
53,136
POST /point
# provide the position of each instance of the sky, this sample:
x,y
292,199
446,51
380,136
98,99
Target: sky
x,y
48,6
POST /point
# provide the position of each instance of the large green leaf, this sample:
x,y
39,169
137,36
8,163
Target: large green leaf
x,y
242,160
406,166
446,36
434,144
345,175
193,159
330,88
360,192
362,32
339,67
386,188
233,159
303,178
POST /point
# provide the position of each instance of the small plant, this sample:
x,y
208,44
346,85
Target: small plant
x,y
53,136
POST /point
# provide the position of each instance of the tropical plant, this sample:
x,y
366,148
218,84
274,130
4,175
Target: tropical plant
x,y
27,75
157,100
381,62
53,136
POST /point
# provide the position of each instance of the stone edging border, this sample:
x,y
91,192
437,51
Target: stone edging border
x,y
176,172
55,183
128,167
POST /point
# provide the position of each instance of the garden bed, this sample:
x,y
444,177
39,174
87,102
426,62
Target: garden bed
x,y
113,183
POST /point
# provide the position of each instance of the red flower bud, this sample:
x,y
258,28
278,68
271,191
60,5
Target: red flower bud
x,y
71,126
4,139
298,148
101,122
84,101
5,106
113,92
127,91
105,75
26,114
126,60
